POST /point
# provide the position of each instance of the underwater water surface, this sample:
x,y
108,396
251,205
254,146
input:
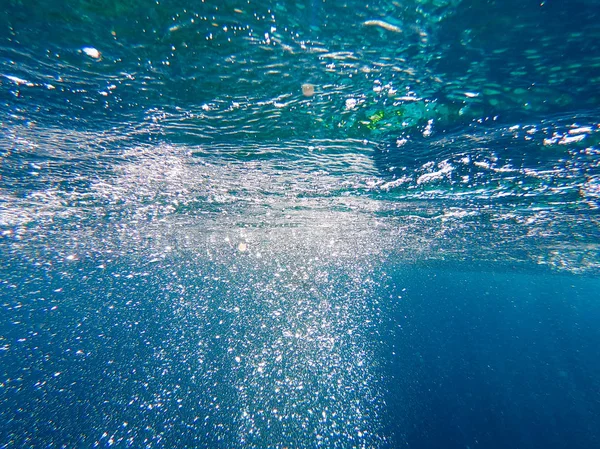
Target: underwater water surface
x,y
300,224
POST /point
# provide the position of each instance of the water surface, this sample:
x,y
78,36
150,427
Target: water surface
x,y
299,224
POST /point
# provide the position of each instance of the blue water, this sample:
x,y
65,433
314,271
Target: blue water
x,y
300,224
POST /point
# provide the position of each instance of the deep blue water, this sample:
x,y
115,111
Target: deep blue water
x,y
300,224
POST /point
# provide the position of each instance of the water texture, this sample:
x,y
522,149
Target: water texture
x,y
299,224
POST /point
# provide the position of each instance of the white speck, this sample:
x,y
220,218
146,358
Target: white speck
x,y
238,359
408,98
581,130
482,164
351,103
57,374
72,257
205,107
389,186
16,80
427,131
91,52
471,94
567,140
445,168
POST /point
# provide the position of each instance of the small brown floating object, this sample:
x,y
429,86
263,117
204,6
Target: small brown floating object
x,y
308,90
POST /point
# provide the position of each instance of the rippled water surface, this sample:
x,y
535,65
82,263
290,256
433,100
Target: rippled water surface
x,y
299,224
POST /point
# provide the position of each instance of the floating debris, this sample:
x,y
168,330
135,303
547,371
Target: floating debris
x,y
382,24
308,90
92,52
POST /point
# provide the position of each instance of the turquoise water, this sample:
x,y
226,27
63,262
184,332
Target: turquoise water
x,y
299,224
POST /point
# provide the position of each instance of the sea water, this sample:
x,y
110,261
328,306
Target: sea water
x,y
300,224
